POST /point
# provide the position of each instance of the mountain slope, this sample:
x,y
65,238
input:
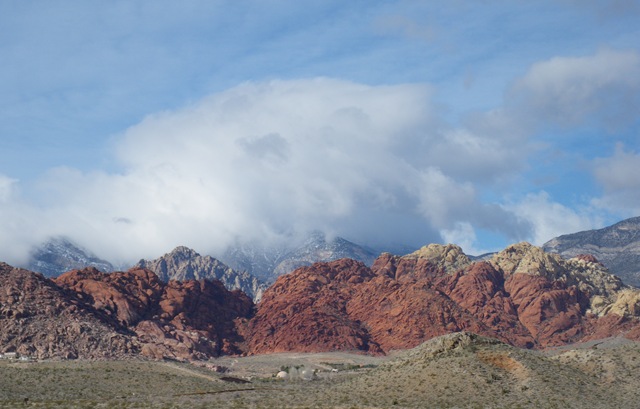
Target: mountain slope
x,y
317,248
522,296
40,319
617,247
185,264
58,255
270,262
179,319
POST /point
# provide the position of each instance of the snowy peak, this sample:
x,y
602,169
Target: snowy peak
x,y
270,262
58,255
183,263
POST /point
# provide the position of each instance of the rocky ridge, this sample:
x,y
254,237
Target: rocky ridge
x,y
184,263
522,296
185,320
89,314
269,263
616,246
59,254
40,319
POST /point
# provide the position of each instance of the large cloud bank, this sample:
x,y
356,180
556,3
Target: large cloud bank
x,y
274,160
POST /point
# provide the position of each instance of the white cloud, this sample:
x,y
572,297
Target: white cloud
x,y
463,234
550,219
618,176
7,185
273,160
483,156
19,227
259,161
603,87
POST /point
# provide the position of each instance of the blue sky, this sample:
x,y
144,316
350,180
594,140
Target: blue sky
x,y
135,126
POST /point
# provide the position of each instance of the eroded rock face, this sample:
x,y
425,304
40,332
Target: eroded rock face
x,y
126,296
343,305
184,320
184,264
307,311
449,257
42,320
617,247
522,296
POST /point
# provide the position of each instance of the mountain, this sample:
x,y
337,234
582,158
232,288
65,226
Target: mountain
x,y
40,319
317,248
254,258
270,262
617,247
185,264
58,255
89,314
522,296
187,320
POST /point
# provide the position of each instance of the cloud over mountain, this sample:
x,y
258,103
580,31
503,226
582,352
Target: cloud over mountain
x,y
271,160
378,164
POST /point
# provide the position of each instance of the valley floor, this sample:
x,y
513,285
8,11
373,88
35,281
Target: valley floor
x,y
457,370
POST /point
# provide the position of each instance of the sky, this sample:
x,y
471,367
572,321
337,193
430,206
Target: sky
x,y
132,127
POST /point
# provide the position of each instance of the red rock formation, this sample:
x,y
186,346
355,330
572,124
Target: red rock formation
x,y
479,289
41,320
524,298
343,305
128,297
307,311
185,320
521,296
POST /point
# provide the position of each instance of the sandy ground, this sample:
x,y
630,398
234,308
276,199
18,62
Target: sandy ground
x,y
263,366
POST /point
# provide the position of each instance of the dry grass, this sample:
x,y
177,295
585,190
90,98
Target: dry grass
x,y
479,374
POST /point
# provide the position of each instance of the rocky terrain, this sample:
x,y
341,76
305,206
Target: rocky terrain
x,y
269,263
59,254
522,296
40,319
93,315
617,247
185,264
247,267
184,320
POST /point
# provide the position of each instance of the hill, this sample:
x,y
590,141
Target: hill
x,y
40,319
460,370
270,262
184,263
59,254
522,296
616,246
89,314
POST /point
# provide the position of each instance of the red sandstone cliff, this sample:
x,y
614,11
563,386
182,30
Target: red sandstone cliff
x,y
523,296
185,320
